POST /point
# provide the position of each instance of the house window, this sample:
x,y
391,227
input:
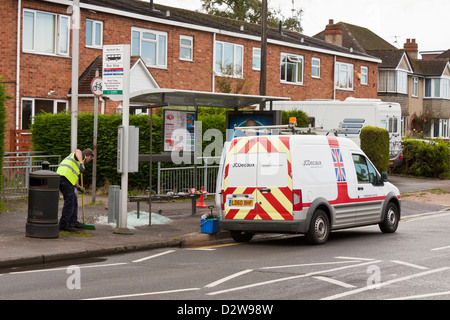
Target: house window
x,y
256,59
343,75
186,48
94,33
393,81
315,67
404,125
440,128
415,87
150,45
291,68
229,59
45,33
437,88
32,107
364,75
402,82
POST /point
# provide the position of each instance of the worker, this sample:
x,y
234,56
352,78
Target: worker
x,y
69,169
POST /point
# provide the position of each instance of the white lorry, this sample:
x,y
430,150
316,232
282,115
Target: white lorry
x,y
351,115
307,184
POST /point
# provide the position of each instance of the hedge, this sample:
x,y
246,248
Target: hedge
x,y
51,134
426,158
375,144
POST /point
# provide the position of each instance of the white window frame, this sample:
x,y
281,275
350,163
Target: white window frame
x,y
255,58
315,65
402,82
60,35
296,61
404,123
189,47
343,68
94,34
443,89
364,77
220,66
443,128
160,53
33,107
415,87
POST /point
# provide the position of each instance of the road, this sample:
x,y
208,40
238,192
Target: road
x,y
355,264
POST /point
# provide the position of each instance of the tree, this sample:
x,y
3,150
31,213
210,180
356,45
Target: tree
x,y
250,11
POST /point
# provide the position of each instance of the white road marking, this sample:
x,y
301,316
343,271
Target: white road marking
x,y
334,281
143,294
410,264
289,278
65,268
220,281
440,248
154,256
353,258
421,296
306,265
382,284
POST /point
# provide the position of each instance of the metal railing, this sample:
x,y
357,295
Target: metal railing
x,y
181,179
17,167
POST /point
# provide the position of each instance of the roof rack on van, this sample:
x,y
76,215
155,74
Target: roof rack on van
x,y
287,129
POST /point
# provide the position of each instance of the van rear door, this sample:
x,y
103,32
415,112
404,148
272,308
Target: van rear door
x,y
258,179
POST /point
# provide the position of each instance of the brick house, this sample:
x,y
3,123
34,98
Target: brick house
x,y
420,86
171,48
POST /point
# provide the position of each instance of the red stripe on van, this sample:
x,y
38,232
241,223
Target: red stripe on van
x,y
248,145
281,210
267,144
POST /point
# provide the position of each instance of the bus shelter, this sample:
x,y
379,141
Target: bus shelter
x,y
156,98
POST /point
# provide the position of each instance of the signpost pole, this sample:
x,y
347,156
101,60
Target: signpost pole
x,y
122,228
96,88
75,56
116,83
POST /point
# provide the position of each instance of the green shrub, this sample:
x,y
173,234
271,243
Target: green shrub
x,y
375,144
302,117
426,158
51,134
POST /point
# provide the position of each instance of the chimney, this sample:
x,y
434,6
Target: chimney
x,y
333,33
411,47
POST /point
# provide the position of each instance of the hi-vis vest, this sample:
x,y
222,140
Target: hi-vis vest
x,y
69,168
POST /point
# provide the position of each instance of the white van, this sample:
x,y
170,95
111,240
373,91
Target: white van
x,y
307,184
352,115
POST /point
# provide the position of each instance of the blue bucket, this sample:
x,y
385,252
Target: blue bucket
x,y
209,225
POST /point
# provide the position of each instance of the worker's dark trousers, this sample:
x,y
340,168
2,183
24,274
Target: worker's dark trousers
x,y
70,208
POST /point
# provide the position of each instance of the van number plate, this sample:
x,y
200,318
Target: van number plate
x,y
241,203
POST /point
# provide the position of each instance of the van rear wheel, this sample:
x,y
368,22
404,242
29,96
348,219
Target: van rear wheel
x,y
241,236
391,219
319,229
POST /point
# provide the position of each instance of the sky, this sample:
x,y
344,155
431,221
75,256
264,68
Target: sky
x,y
395,21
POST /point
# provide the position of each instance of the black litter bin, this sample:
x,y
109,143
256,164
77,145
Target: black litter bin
x,y
43,197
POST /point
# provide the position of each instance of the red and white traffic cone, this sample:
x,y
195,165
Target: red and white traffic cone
x,y
201,201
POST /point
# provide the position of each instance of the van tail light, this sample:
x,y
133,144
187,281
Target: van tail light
x,y
222,202
297,200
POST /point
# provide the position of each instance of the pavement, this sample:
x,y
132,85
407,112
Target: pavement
x,y
182,229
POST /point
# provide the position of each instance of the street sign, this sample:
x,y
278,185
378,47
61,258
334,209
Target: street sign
x,y
113,69
96,86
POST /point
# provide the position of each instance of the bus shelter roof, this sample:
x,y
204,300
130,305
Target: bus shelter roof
x,y
163,97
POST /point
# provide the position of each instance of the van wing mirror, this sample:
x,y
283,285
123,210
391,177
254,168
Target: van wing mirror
x,y
384,176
